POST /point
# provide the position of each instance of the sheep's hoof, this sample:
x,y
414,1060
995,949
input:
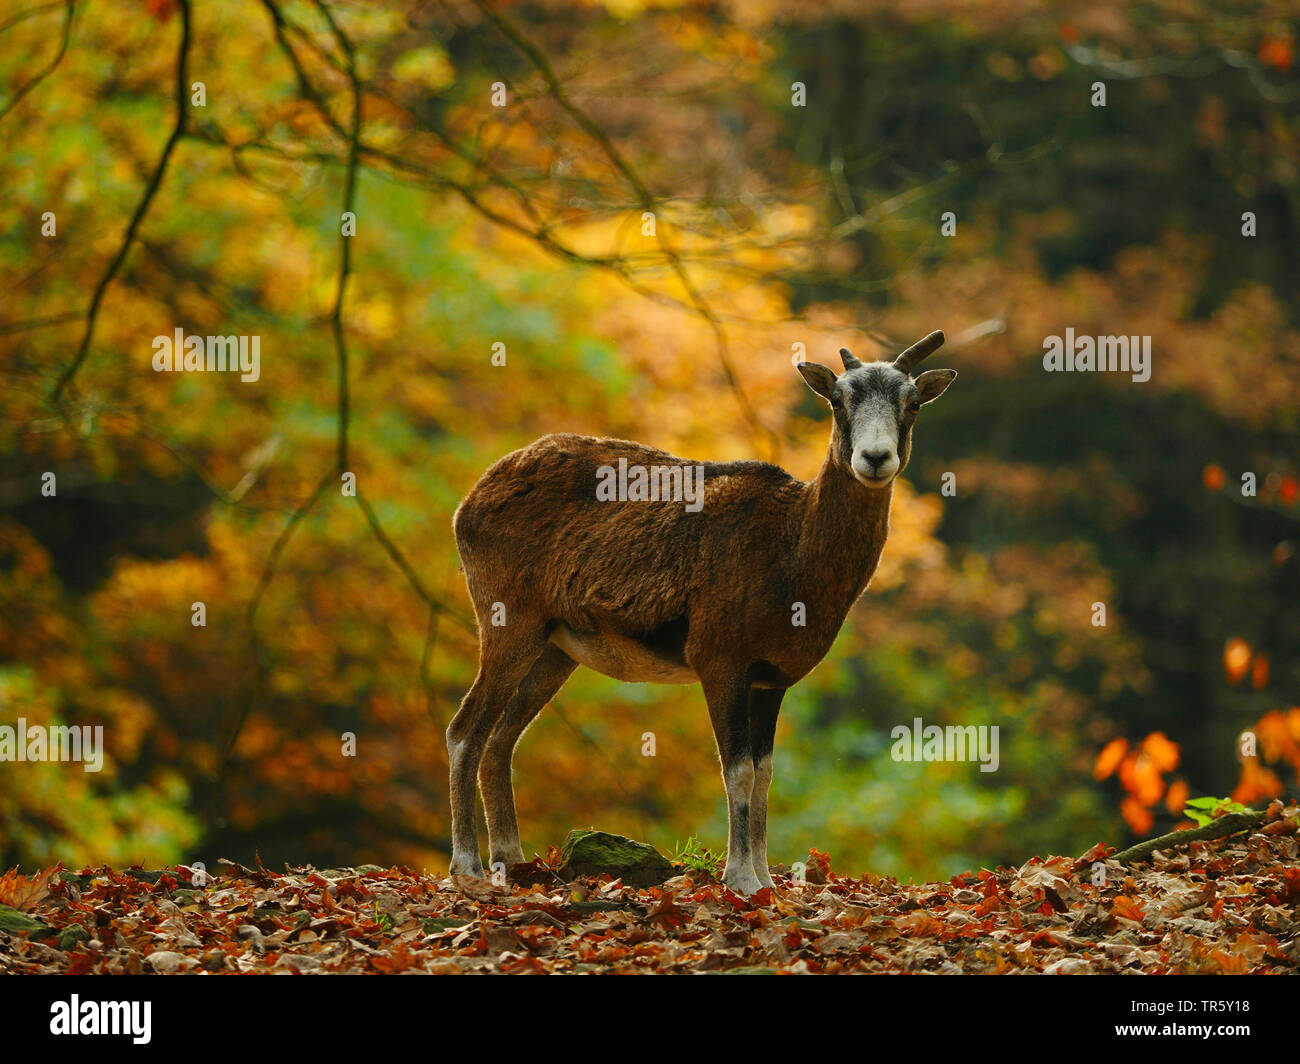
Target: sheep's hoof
x,y
507,857
465,866
742,880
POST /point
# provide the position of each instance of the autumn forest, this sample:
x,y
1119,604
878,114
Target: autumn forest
x,y
407,238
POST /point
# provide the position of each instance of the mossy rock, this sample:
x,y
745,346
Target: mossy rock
x,y
594,853
72,934
14,922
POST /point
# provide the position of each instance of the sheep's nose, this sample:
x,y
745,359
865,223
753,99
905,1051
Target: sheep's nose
x,y
877,458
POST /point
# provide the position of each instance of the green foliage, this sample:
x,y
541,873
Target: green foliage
x,y
694,856
1204,810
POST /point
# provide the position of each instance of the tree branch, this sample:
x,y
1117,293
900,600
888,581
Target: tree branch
x,y
1215,829
182,104
647,202
27,86
345,251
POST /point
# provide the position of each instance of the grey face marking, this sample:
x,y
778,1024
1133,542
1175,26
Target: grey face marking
x,y
874,406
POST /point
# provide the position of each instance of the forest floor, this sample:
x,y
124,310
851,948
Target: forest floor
x,y
1222,906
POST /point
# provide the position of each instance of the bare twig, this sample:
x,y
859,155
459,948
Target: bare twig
x,y
408,571
182,104
647,203
250,617
436,606
345,248
68,8
9,327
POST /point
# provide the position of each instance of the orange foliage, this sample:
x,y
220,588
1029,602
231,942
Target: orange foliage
x,y
1142,779
1277,735
1276,52
1162,752
1142,772
1236,659
1136,815
1109,758
1256,782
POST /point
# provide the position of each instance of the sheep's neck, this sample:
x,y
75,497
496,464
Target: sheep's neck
x,y
844,528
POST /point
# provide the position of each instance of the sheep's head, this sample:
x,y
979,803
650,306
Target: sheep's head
x,y
875,404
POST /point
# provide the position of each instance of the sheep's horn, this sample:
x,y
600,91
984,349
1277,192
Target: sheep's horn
x,y
849,361
919,350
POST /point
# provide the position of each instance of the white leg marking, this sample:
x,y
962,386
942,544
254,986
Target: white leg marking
x,y
464,842
758,822
739,872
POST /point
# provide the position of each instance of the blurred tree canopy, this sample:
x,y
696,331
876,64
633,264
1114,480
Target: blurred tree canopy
x,y
457,226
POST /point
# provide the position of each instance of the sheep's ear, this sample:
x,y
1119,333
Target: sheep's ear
x,y
933,383
818,378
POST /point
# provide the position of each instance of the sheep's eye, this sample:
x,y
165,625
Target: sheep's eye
x,y
913,406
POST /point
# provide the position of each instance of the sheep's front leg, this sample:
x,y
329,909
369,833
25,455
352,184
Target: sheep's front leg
x,y
764,706
728,699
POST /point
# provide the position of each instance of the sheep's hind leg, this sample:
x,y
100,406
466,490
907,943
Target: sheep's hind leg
x,y
544,679
503,664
